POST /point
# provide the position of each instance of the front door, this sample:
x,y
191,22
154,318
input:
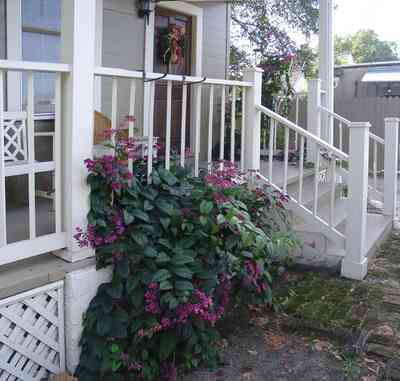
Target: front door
x,y
172,54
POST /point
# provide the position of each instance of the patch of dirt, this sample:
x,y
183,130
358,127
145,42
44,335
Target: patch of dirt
x,y
258,355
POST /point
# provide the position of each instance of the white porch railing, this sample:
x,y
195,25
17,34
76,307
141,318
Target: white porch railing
x,y
137,79
305,138
28,165
375,141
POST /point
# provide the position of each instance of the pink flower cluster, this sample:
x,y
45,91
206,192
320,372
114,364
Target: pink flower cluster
x,y
225,175
253,276
152,304
132,366
90,238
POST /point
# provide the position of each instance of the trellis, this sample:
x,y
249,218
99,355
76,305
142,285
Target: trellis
x,y
32,344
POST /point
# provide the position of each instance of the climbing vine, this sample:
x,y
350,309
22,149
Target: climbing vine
x,y
182,248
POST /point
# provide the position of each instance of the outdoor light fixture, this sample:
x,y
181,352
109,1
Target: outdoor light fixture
x,y
145,8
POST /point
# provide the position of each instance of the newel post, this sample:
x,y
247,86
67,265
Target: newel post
x,y
252,139
355,264
391,166
78,36
313,115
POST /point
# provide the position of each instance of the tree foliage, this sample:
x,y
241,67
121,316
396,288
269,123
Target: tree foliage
x,y
269,24
363,47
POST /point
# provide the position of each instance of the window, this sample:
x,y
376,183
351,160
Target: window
x,y
41,41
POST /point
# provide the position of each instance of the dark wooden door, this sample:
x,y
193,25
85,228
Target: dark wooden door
x,y
172,54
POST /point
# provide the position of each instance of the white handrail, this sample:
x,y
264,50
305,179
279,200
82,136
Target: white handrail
x,y
34,66
122,73
348,123
303,132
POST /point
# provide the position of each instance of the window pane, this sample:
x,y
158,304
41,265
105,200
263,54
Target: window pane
x,y
41,48
42,14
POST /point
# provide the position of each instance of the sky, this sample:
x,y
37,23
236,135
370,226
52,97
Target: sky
x,y
383,16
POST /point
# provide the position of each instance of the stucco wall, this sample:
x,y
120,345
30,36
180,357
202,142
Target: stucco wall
x,y
80,288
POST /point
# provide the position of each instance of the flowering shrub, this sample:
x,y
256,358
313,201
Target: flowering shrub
x,y
182,248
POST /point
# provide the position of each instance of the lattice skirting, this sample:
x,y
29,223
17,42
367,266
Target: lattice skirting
x,y
32,334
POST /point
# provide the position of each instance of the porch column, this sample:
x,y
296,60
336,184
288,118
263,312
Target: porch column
x,y
391,166
326,65
79,51
313,115
253,119
355,264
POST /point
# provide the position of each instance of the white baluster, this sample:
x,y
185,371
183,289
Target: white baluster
x,y
296,135
286,160
150,140
301,169
222,128
197,127
233,124
243,132
271,147
316,181
57,153
114,106
375,165
132,104
3,230
168,127
31,156
183,124
333,192
210,127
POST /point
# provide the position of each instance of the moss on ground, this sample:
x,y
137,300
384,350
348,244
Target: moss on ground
x,y
330,301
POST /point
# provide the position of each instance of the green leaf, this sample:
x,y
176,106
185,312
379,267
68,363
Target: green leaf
x,y
206,207
162,258
128,217
104,325
161,275
140,238
183,272
122,268
168,343
150,252
141,215
167,177
166,285
115,290
165,222
165,207
115,348
131,284
203,220
180,259
137,298
184,285
148,206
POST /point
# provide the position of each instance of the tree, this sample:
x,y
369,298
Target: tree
x,y
363,47
270,27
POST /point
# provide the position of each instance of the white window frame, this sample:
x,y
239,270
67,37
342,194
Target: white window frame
x,y
14,53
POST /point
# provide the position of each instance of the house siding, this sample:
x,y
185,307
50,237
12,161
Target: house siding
x,y
122,25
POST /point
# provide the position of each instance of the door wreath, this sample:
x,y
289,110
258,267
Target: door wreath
x,y
172,44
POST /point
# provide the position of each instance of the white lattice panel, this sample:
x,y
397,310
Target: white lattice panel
x,y
32,334
15,137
